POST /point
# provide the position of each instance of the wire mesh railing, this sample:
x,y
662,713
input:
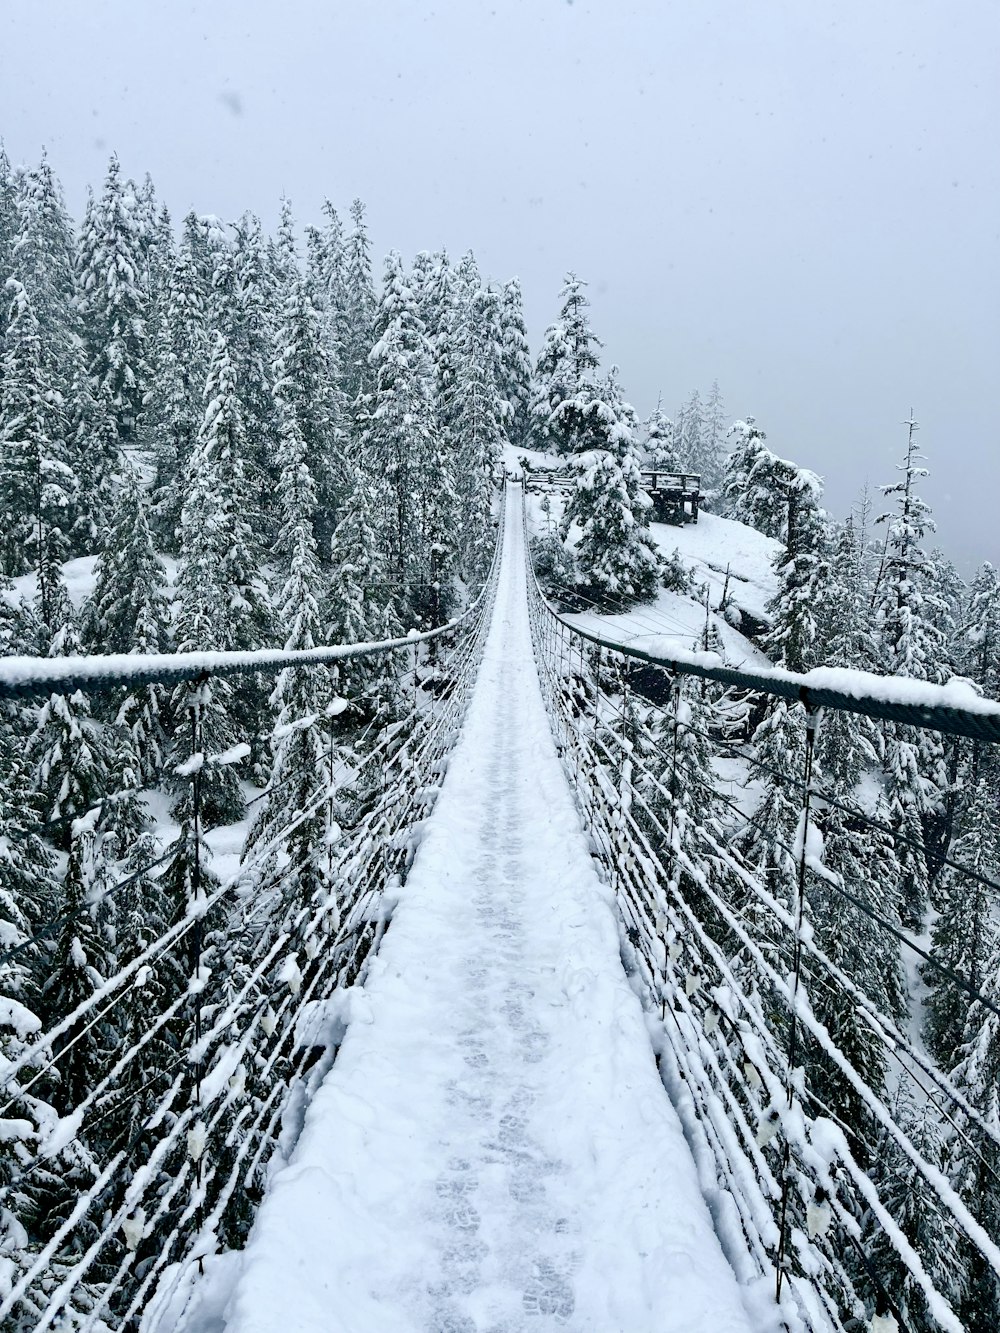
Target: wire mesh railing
x,y
138,1128
804,1093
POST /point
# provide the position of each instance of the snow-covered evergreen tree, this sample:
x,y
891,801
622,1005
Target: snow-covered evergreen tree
x,y
304,388
752,487
357,320
300,752
919,1214
515,366
965,939
606,519
67,752
77,969
910,645
567,362
712,450
113,304
127,613
401,431
661,443
181,350
36,483
975,1156
480,409
221,601
42,261
802,570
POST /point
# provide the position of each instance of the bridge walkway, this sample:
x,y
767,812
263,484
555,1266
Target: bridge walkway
x,y
493,1150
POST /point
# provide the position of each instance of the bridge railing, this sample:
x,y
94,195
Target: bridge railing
x,y
788,1074
208,1037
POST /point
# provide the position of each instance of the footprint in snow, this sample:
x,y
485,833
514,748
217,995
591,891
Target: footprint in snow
x,y
548,1293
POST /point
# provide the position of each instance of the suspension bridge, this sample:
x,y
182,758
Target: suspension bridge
x,y
509,1071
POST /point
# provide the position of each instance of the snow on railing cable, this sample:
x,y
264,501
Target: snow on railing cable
x,y
954,708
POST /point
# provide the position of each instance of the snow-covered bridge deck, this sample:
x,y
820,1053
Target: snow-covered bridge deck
x,y
493,1149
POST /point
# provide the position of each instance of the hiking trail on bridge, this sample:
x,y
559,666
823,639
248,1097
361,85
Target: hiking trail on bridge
x,y
493,1150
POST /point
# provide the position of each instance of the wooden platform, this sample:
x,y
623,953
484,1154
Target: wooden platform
x,y
676,496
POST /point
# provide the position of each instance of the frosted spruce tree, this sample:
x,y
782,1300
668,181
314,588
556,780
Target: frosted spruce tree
x,y
974,1166
606,520
359,604
712,449
965,939
181,348
299,783
515,367
357,319
67,752
42,261
661,442
221,604
910,645
36,483
567,363
127,613
803,572
752,489
113,304
480,409
401,432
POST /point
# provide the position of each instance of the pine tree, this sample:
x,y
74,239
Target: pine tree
x,y
78,968
303,388
182,351
515,367
113,303
910,645
42,261
607,514
918,1213
8,224
752,486
567,363
401,429
661,442
300,752
222,604
251,336
67,752
975,1164
358,315
36,484
980,632
358,606
848,744
803,571
965,939
862,861
690,429
711,458
127,613
479,434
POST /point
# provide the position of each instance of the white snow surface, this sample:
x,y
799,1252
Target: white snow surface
x,y
493,1150
714,544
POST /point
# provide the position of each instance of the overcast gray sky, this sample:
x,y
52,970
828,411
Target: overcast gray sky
x,y
800,198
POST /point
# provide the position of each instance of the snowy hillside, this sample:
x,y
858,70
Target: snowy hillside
x,y
734,562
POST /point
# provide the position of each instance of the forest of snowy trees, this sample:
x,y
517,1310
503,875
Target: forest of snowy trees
x,y
252,442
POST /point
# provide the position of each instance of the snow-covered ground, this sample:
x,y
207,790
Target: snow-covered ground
x,y
79,575
713,545
493,1149
733,560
